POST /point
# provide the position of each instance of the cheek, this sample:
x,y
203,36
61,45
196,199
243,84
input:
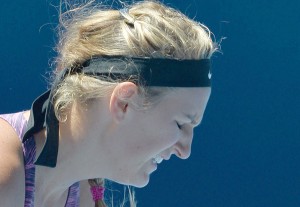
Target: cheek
x,y
164,138
153,140
151,134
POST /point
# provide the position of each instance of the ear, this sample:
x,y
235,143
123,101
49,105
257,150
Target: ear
x,y
122,94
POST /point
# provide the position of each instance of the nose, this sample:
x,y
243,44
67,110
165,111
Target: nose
x,y
182,149
183,152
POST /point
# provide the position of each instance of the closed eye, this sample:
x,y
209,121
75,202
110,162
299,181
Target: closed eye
x,y
179,126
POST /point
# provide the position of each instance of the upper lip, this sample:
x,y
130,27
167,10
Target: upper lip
x,y
164,155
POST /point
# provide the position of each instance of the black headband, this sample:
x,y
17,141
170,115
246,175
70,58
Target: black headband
x,y
143,71
151,72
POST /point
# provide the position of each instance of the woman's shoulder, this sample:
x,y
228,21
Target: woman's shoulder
x,y
12,185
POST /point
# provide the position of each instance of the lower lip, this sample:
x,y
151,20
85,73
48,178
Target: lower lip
x,y
154,166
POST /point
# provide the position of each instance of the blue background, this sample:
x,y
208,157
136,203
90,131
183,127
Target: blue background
x,y
247,151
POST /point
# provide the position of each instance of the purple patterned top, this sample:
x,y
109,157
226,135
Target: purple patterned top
x,y
19,123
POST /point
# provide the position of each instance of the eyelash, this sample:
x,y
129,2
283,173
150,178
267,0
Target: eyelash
x,y
179,126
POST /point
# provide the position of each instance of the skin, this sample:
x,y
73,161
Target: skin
x,y
112,139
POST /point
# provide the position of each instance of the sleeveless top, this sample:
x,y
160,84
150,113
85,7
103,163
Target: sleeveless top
x,y
19,123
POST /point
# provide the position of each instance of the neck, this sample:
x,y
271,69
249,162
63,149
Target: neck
x,y
76,160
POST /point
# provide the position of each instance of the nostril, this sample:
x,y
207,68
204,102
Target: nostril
x,y
178,153
183,153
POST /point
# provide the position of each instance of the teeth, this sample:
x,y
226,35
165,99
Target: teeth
x,y
157,159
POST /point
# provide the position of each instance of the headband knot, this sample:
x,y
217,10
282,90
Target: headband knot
x,y
127,17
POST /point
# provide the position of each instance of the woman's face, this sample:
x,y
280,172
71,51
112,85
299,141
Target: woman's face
x,y
158,132
122,143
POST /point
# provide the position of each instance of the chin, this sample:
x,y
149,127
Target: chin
x,y
137,180
140,183
142,177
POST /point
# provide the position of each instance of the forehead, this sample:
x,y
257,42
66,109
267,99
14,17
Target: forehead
x,y
191,100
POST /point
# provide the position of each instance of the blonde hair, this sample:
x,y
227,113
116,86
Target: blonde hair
x,y
145,29
154,30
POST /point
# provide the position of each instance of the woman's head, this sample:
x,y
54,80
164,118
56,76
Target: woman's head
x,y
147,29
